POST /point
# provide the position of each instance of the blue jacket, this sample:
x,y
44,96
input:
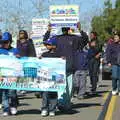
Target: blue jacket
x,y
112,53
81,60
15,51
4,51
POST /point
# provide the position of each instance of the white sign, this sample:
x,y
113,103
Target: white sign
x,y
64,16
39,28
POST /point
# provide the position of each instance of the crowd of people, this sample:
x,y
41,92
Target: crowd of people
x,y
82,57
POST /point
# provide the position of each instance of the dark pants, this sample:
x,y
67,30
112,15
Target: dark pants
x,y
94,65
13,98
8,98
0,96
116,77
49,102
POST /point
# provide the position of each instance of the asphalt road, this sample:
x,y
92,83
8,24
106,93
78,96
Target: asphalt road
x,y
86,109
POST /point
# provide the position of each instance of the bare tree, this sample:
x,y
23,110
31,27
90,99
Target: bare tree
x,y
40,7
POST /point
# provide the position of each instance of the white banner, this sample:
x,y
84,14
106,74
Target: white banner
x,y
39,28
63,16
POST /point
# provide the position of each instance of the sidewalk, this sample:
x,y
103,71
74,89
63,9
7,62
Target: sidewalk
x,y
87,109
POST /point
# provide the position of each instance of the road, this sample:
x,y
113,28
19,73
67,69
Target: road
x,y
86,109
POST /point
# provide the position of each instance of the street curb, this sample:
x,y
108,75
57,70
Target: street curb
x,y
105,107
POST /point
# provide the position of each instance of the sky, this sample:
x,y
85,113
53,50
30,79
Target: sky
x,y
88,9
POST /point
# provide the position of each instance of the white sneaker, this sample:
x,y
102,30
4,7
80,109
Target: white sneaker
x,y
52,114
44,113
119,93
0,106
23,92
114,92
13,111
5,114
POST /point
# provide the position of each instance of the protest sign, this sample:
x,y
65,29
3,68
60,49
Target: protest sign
x,y
39,28
63,16
34,74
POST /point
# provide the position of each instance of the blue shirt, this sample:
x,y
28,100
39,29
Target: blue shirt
x,y
14,51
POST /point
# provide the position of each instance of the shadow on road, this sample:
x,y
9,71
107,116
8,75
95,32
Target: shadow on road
x,y
23,104
26,98
32,111
83,105
35,111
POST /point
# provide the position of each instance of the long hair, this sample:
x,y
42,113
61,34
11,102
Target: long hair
x,y
25,33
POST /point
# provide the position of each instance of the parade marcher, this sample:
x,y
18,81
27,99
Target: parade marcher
x,y
6,49
0,36
94,37
81,72
68,44
113,59
94,63
25,45
47,34
0,90
49,102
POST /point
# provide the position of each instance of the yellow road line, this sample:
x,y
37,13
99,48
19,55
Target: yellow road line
x,y
105,96
111,108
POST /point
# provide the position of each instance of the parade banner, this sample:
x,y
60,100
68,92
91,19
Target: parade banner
x,y
63,16
39,28
32,74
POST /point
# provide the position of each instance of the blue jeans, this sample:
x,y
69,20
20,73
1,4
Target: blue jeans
x,y
49,102
5,99
8,99
116,77
0,96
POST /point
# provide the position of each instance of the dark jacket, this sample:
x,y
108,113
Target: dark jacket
x,y
81,60
98,44
51,54
112,53
93,62
82,40
67,45
26,49
92,52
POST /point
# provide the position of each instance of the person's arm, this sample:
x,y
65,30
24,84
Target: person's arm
x,y
31,50
84,39
47,34
108,54
17,53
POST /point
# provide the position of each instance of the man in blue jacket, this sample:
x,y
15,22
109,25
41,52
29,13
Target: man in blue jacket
x,y
68,44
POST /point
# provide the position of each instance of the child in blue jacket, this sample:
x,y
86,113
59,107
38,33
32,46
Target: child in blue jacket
x,y
6,49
